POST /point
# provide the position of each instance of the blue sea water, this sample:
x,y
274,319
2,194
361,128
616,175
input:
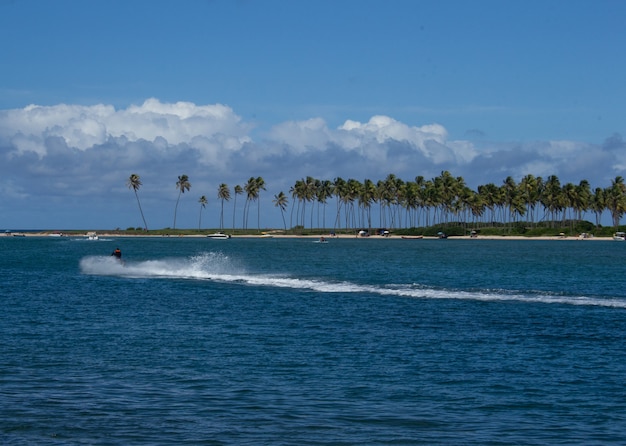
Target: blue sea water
x,y
291,342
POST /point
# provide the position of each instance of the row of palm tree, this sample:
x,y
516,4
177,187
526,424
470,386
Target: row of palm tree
x,y
252,188
444,199
420,202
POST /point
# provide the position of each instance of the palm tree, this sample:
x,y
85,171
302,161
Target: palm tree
x,y
295,192
309,195
616,199
510,192
489,194
223,193
251,193
260,185
367,195
203,201
529,189
281,201
337,189
552,197
134,183
598,204
324,192
583,199
238,191
182,185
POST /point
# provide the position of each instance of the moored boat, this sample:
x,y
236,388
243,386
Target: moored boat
x,y
219,236
619,236
412,237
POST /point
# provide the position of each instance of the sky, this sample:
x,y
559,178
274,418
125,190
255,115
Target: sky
x,y
221,91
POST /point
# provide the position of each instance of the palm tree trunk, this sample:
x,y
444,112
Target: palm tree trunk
x,y
145,225
176,209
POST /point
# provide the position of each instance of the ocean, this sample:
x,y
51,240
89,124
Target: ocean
x,y
292,342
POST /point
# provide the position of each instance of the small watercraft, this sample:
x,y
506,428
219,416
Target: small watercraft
x,y
219,236
619,236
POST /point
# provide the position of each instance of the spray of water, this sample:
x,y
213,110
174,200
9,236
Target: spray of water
x,y
219,267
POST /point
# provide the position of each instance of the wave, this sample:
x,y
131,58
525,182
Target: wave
x,y
219,267
203,266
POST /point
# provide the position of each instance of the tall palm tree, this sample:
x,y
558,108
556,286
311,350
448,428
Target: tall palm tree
x,y
280,201
309,195
337,189
260,185
295,195
529,190
598,204
510,191
489,194
583,198
134,183
367,195
182,185
552,198
238,191
203,201
616,199
251,194
324,192
223,193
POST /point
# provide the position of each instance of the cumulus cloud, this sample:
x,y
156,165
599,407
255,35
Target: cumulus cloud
x,y
83,127
54,154
373,139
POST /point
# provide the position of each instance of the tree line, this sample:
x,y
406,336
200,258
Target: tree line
x,y
420,202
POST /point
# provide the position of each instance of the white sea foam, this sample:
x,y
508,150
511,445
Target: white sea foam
x,y
218,267
202,266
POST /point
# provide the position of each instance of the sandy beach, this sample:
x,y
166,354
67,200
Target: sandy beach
x,y
271,234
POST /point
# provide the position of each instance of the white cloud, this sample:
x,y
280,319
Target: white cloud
x,y
372,139
49,154
83,127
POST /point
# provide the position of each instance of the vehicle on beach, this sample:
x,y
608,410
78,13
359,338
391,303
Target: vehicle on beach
x,y
219,236
619,236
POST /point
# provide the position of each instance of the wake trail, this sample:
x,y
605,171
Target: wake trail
x,y
221,268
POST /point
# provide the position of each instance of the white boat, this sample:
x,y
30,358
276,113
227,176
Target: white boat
x,y
92,236
619,236
219,236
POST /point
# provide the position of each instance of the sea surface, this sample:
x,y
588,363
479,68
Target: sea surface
x,y
291,342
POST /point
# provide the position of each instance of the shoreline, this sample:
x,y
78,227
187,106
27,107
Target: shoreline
x,y
291,236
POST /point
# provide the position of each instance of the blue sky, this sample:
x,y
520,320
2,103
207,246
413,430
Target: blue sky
x,y
91,92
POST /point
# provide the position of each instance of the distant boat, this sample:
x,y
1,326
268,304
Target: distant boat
x,y
619,236
92,236
219,236
412,237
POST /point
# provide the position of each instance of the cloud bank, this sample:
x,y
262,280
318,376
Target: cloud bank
x,y
57,159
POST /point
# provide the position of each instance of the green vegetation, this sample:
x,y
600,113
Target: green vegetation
x,y
532,207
